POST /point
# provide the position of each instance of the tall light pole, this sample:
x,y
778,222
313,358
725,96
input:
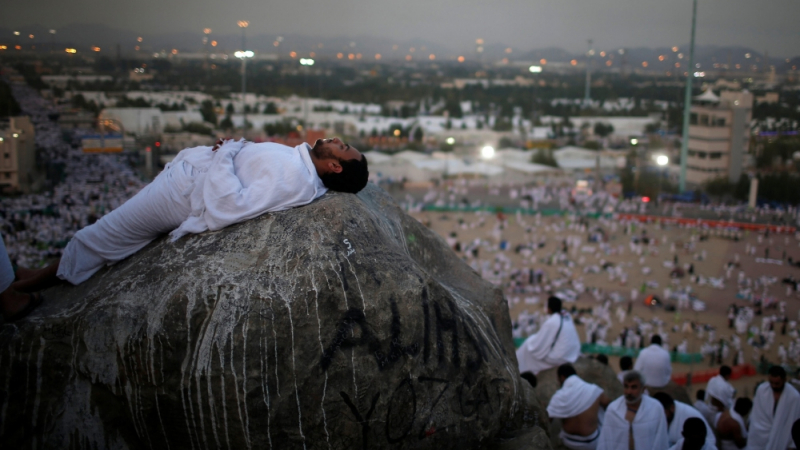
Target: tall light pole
x,y
306,62
244,55
662,161
687,104
52,41
588,91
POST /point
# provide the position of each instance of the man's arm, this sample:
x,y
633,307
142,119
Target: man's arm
x,y
738,439
604,400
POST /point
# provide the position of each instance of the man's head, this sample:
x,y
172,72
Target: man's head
x,y
725,372
626,363
603,359
565,371
530,378
656,339
341,167
668,403
554,304
694,433
743,406
777,378
701,395
633,387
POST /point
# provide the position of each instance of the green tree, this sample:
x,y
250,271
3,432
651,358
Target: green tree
x,y
544,157
418,134
208,112
196,127
602,129
270,108
227,123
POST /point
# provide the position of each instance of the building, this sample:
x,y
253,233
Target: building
x,y
18,157
719,136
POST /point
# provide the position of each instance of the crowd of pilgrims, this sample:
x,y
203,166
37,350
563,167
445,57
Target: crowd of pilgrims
x,y
37,227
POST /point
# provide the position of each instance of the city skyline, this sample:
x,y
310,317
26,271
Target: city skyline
x,y
454,24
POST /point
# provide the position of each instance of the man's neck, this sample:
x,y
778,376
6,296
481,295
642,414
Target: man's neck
x,y
634,407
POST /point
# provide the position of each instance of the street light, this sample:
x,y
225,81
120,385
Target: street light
x,y
243,55
305,62
487,152
662,161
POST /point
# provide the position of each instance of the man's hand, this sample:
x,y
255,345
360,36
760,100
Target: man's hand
x,y
218,144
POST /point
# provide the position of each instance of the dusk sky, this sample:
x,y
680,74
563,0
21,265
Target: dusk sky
x,y
764,26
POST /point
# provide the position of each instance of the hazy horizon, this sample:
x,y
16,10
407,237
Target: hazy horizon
x,y
455,24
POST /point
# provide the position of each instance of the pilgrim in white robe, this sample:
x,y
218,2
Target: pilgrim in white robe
x,y
574,397
770,431
199,190
556,343
682,413
655,365
649,426
720,389
706,410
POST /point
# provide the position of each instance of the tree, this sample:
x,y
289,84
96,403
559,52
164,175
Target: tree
x,y
544,157
602,129
453,107
502,124
227,123
418,134
270,108
208,112
199,128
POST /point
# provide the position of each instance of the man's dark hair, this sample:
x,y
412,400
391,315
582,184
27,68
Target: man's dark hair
x,y
665,399
352,178
694,431
725,371
701,394
602,358
656,339
626,363
566,370
530,377
743,406
554,304
777,371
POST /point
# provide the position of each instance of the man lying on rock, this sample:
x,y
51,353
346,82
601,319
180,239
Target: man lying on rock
x,y
203,188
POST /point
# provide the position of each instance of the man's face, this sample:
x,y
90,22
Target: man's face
x,y
633,391
334,148
670,413
777,384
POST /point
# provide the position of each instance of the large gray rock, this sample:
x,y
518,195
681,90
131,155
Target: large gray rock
x,y
343,324
591,371
675,390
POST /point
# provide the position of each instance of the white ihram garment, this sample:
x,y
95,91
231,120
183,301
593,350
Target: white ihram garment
x,y
768,431
199,190
649,426
542,350
575,397
720,389
682,413
654,363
